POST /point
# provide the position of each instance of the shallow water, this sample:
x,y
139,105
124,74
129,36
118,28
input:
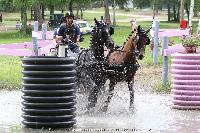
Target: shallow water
x,y
153,113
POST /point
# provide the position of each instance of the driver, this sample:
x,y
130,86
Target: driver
x,y
70,33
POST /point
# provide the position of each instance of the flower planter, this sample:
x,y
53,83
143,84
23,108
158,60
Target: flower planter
x,y
190,49
186,81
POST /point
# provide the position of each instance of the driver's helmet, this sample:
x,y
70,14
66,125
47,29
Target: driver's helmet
x,y
69,14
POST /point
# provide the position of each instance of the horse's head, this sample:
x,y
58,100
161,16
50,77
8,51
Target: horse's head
x,y
101,35
142,40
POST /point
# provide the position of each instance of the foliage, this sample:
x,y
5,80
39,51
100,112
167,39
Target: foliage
x,y
15,129
120,3
192,40
196,5
7,5
159,87
142,3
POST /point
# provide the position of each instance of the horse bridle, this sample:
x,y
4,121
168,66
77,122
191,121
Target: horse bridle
x,y
138,39
100,31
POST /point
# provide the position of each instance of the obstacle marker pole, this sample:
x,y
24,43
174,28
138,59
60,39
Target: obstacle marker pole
x,y
44,31
155,27
35,46
36,26
198,28
165,61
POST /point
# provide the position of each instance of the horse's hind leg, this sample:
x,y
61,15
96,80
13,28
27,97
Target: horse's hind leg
x,y
130,86
110,95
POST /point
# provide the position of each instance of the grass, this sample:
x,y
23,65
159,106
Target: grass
x,y
13,37
160,88
15,129
10,72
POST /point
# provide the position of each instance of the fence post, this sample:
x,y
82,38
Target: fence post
x,y
155,27
165,61
198,28
44,31
35,46
36,26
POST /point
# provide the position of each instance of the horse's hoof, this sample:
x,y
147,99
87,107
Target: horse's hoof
x,y
88,112
131,108
90,106
104,109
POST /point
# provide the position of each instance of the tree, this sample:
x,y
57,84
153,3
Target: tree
x,y
8,5
187,7
196,7
80,6
182,10
173,5
142,3
114,20
107,14
121,3
23,4
191,15
168,10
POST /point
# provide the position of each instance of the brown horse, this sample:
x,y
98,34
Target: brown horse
x,y
121,65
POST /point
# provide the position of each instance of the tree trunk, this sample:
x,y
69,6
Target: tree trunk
x,y
21,13
178,12
114,20
107,15
51,8
70,6
139,6
191,15
174,12
38,15
81,13
24,18
35,14
90,4
187,12
31,12
182,10
168,10
77,12
42,6
157,8
195,13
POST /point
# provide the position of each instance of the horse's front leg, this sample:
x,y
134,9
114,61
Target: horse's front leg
x,y
93,95
110,95
131,90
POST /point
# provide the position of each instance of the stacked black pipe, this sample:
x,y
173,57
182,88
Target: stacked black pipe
x,y
48,92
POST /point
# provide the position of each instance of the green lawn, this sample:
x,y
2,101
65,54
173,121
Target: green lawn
x,y
10,72
13,37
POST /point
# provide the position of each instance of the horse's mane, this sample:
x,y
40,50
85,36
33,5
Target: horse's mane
x,y
129,37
